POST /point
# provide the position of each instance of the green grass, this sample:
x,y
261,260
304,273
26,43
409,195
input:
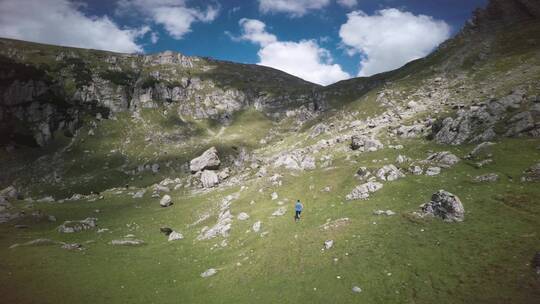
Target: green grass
x,y
482,260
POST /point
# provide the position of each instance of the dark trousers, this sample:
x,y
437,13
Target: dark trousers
x,y
297,215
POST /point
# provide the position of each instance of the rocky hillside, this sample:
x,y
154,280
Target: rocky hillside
x,y
419,184
45,89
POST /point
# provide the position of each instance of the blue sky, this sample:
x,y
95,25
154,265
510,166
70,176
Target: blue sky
x,y
319,40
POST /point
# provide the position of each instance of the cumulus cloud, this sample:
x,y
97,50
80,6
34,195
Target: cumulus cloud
x,y
62,22
295,8
390,38
174,15
304,59
347,3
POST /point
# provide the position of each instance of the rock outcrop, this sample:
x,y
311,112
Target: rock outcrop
x,y
444,205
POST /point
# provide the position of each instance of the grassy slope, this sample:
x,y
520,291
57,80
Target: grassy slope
x,y
482,260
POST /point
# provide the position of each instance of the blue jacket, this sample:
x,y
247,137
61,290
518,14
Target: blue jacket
x,y
298,206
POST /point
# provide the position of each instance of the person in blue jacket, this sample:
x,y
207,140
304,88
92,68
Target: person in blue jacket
x,y
298,207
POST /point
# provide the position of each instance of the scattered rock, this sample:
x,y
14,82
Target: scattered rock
x,y
335,223
389,173
486,178
328,244
443,159
37,242
72,246
445,205
139,194
208,160
363,173
432,171
78,226
155,168
274,196
208,273
356,289
256,226
127,242
224,223
383,212
242,216
416,170
165,201
280,211
174,236
363,191
532,174
481,151
365,144
9,193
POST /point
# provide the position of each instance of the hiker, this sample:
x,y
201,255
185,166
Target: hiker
x,y
298,208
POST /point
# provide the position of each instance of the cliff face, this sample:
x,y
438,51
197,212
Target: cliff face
x,y
44,89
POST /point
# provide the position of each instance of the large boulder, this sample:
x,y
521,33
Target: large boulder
x,y
9,193
209,160
165,201
445,205
209,179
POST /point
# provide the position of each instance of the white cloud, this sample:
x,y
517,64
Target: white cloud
x,y
62,22
295,8
174,15
348,3
154,37
304,59
390,38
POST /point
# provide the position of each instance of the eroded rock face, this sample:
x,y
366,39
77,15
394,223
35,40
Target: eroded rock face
x,y
478,123
444,205
209,160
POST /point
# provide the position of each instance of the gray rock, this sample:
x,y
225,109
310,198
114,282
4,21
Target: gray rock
x,y
481,151
165,201
532,174
208,160
139,194
384,212
224,222
37,242
356,289
256,226
443,159
242,216
432,171
72,246
365,144
208,273
416,170
174,236
486,178
9,193
328,244
389,173
209,179
78,226
445,205
363,191
280,211
363,173
155,168
127,242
